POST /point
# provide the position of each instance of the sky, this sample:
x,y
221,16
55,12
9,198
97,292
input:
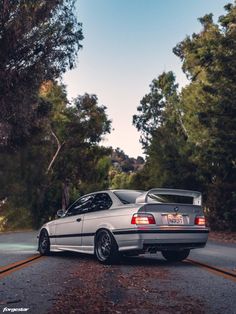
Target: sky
x,y
128,43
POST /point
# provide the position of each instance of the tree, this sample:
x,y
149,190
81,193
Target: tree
x,y
164,137
79,166
78,129
39,41
190,137
120,180
153,105
209,111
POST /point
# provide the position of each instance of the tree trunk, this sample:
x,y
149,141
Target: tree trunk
x,y
59,146
65,195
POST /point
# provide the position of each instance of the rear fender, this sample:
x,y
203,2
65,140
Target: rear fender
x,y
106,226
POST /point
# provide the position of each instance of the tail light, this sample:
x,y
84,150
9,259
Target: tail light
x,y
200,221
143,219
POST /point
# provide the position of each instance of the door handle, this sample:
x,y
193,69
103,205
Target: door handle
x,y
79,219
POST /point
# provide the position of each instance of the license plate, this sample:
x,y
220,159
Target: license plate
x,y
175,220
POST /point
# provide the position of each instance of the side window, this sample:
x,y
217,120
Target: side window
x,y
101,201
81,206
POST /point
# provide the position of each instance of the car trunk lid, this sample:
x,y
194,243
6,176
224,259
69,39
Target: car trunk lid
x,y
173,214
172,207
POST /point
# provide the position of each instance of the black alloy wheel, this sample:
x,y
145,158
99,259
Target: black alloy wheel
x,y
44,243
175,256
106,249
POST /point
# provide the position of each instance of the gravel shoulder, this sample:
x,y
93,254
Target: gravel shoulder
x,y
222,236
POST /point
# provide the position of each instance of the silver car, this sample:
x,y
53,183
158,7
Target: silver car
x,y
129,222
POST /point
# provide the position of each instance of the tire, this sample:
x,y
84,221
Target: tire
x,y
175,256
44,243
106,248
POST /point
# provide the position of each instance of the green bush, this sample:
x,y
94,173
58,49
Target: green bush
x,y
14,219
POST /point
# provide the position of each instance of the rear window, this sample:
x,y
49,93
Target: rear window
x,y
127,197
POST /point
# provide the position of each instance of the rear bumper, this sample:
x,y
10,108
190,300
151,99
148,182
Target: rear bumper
x,y
160,239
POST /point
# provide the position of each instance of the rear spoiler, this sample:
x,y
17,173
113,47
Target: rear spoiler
x,y
197,196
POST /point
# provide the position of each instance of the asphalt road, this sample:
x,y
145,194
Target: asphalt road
x,y
15,246
64,282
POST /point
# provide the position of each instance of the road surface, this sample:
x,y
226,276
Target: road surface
x,y
76,283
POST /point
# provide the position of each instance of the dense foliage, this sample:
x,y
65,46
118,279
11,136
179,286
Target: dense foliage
x,y
190,137
39,41
49,151
62,161
49,148
123,169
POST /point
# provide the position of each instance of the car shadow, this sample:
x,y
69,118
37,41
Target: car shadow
x,y
150,260
141,260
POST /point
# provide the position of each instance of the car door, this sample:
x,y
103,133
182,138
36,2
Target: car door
x,y
68,229
95,215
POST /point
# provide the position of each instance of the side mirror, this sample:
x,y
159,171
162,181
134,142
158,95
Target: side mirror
x,y
60,213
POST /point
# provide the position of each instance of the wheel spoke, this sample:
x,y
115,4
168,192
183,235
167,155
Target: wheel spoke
x,y
104,246
44,244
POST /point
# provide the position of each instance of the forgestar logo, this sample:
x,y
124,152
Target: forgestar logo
x,y
12,310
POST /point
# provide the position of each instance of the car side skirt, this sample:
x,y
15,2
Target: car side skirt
x,y
143,240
